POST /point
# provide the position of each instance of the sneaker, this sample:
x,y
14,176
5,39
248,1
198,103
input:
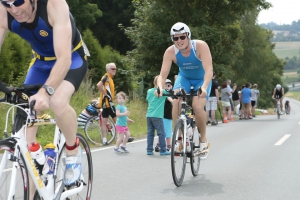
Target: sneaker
x,y
104,143
165,153
130,139
150,153
214,124
169,148
124,149
280,113
157,149
118,150
73,168
204,150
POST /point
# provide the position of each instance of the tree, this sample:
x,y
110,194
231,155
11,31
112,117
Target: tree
x,y
85,14
15,58
215,22
106,29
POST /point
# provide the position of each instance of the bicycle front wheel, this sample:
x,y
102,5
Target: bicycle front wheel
x,y
178,156
92,130
87,171
195,156
20,178
278,110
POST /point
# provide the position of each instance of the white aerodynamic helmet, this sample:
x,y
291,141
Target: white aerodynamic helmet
x,y
180,28
278,86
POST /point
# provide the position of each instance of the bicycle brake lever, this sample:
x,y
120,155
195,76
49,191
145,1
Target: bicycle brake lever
x,y
31,108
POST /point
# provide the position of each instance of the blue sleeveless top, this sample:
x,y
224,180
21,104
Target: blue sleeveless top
x,y
190,67
39,33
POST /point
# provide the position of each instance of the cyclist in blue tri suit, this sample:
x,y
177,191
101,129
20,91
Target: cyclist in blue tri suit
x,y
278,93
59,63
194,60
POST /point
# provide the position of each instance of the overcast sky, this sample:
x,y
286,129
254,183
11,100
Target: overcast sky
x,y
282,12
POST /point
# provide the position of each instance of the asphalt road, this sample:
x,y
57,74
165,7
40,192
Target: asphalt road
x,y
249,159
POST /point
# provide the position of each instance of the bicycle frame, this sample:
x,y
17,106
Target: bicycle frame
x,y
12,153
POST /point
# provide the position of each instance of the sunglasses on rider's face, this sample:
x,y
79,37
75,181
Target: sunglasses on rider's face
x,y
16,3
181,37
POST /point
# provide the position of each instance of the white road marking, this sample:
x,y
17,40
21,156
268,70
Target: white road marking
x,y
284,138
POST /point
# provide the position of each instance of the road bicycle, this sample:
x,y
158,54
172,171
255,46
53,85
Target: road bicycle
x,y
93,132
17,166
185,139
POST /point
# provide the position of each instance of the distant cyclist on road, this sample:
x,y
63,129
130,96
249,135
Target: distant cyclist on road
x,y
195,69
278,93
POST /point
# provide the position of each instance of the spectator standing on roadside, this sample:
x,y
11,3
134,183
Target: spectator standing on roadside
x,y
231,90
246,95
167,117
212,102
241,114
235,97
225,100
254,98
155,114
121,124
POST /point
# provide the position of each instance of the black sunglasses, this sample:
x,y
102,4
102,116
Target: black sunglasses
x,y
181,37
16,3
113,69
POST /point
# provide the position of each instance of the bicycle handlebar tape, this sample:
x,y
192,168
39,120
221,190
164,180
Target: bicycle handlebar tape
x,y
3,88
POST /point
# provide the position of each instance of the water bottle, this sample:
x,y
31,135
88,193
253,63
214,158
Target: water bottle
x,y
36,152
50,155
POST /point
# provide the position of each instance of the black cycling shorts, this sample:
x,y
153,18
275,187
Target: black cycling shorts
x,y
106,112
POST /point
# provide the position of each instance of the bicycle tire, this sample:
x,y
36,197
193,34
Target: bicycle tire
x,y
195,156
93,131
22,186
178,159
87,170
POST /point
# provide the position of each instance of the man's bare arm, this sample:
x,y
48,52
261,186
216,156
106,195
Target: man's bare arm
x,y
58,15
165,68
205,56
3,25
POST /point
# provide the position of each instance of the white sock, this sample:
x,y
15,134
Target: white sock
x,y
104,140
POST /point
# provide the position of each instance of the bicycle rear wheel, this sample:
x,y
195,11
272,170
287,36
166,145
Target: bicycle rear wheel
x,y
22,186
87,171
93,131
178,156
195,156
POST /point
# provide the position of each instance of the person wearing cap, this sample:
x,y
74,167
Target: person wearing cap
x,y
194,62
167,117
